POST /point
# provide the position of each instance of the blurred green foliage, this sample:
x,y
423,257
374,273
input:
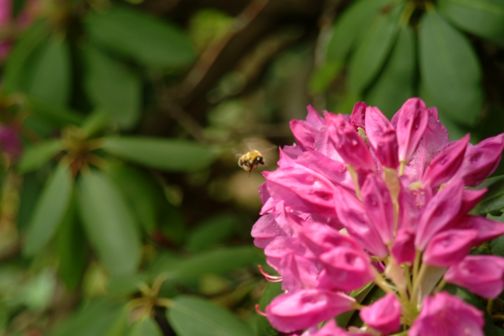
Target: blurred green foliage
x,y
126,213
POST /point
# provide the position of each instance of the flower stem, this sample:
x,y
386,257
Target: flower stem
x,y
489,306
382,283
417,282
416,265
407,275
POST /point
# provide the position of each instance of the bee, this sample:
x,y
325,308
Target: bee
x,y
250,160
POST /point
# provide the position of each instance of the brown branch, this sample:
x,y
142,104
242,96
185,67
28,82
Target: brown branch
x,y
219,57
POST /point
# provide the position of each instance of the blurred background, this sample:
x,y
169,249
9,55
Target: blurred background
x,y
122,208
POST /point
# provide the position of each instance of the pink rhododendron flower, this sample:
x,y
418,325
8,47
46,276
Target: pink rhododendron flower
x,y
384,315
449,247
482,275
10,143
412,121
330,329
446,315
359,200
305,308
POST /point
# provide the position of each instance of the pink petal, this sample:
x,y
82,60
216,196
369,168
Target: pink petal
x,y
301,188
434,139
383,315
346,269
349,144
306,308
353,217
441,210
447,315
320,238
449,247
482,160
470,198
264,193
277,250
403,249
358,116
412,119
305,131
446,164
10,142
382,136
265,230
331,329
298,272
378,204
411,204
487,229
313,118
481,274
334,171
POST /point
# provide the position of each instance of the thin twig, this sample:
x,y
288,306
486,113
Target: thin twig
x,y
211,54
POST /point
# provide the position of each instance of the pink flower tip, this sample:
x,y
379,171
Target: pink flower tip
x,y
384,315
481,274
447,315
305,308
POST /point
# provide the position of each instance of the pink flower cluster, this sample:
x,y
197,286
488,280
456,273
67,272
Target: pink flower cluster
x,y
359,201
10,142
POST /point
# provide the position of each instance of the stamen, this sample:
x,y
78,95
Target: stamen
x,y
259,311
269,277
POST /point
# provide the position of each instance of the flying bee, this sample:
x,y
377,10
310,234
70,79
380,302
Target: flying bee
x,y
250,160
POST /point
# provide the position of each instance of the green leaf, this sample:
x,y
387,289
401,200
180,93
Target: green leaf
x,y
323,76
497,246
146,39
93,318
112,87
191,316
37,294
372,51
484,18
471,298
133,182
29,194
18,66
395,83
145,327
494,198
165,154
349,28
173,226
213,262
71,248
212,231
492,327
50,81
57,115
344,34
109,224
49,211
39,154
451,74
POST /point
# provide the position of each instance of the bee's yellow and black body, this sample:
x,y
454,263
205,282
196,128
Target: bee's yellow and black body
x,y
250,160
